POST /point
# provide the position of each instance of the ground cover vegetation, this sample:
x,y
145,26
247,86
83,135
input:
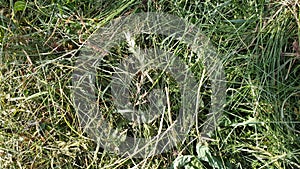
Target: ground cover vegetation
x,y
259,44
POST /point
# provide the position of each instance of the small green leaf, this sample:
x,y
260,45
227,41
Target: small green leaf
x,y
182,161
19,6
205,155
202,151
187,162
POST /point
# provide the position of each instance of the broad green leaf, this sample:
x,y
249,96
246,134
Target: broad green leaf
x,y
19,6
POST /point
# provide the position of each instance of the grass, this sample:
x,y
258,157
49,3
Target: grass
x,y
259,44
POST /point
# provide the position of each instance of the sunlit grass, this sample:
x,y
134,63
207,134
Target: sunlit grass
x,y
259,45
